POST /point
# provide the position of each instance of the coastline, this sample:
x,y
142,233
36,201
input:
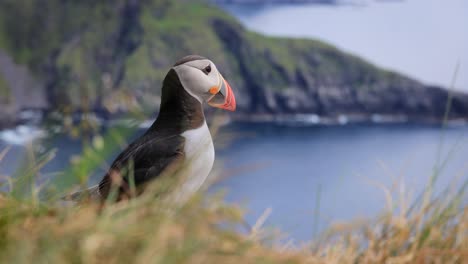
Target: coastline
x,y
345,119
35,117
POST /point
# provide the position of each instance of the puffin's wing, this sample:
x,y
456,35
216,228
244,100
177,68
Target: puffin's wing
x,y
147,158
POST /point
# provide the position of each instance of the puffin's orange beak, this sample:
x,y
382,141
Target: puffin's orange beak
x,y
223,97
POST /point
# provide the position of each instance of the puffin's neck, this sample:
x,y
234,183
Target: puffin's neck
x,y
179,110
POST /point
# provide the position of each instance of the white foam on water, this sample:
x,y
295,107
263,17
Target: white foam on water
x,y
21,134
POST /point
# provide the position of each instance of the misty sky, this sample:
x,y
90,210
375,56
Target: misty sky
x,y
421,38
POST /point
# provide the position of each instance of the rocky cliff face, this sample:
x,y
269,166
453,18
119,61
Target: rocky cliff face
x,y
301,76
84,53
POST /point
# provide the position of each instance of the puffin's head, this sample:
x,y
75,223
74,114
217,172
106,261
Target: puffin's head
x,y
202,80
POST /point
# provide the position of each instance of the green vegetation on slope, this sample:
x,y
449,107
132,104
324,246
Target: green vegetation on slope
x,y
70,43
88,51
4,91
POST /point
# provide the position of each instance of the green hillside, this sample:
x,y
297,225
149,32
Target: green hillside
x,y
86,52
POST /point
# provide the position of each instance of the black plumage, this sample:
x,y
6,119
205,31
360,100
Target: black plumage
x,y
162,146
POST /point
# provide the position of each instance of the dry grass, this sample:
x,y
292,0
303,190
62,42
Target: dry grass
x,y
141,231
148,230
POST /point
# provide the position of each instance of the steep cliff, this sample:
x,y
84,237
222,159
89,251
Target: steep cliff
x,y
84,52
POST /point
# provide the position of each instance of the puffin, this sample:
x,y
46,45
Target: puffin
x,y
178,143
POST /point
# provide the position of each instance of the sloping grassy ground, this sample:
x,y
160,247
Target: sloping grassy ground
x,y
146,230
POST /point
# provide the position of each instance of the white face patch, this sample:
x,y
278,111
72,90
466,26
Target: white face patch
x,y
196,81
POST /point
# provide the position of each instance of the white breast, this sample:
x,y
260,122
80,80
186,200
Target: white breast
x,y
199,158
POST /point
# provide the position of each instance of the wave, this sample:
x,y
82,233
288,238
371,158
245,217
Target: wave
x,y
21,134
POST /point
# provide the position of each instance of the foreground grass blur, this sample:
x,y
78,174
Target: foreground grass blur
x,y
36,227
148,230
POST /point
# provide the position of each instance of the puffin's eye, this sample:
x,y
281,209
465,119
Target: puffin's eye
x,y
207,69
